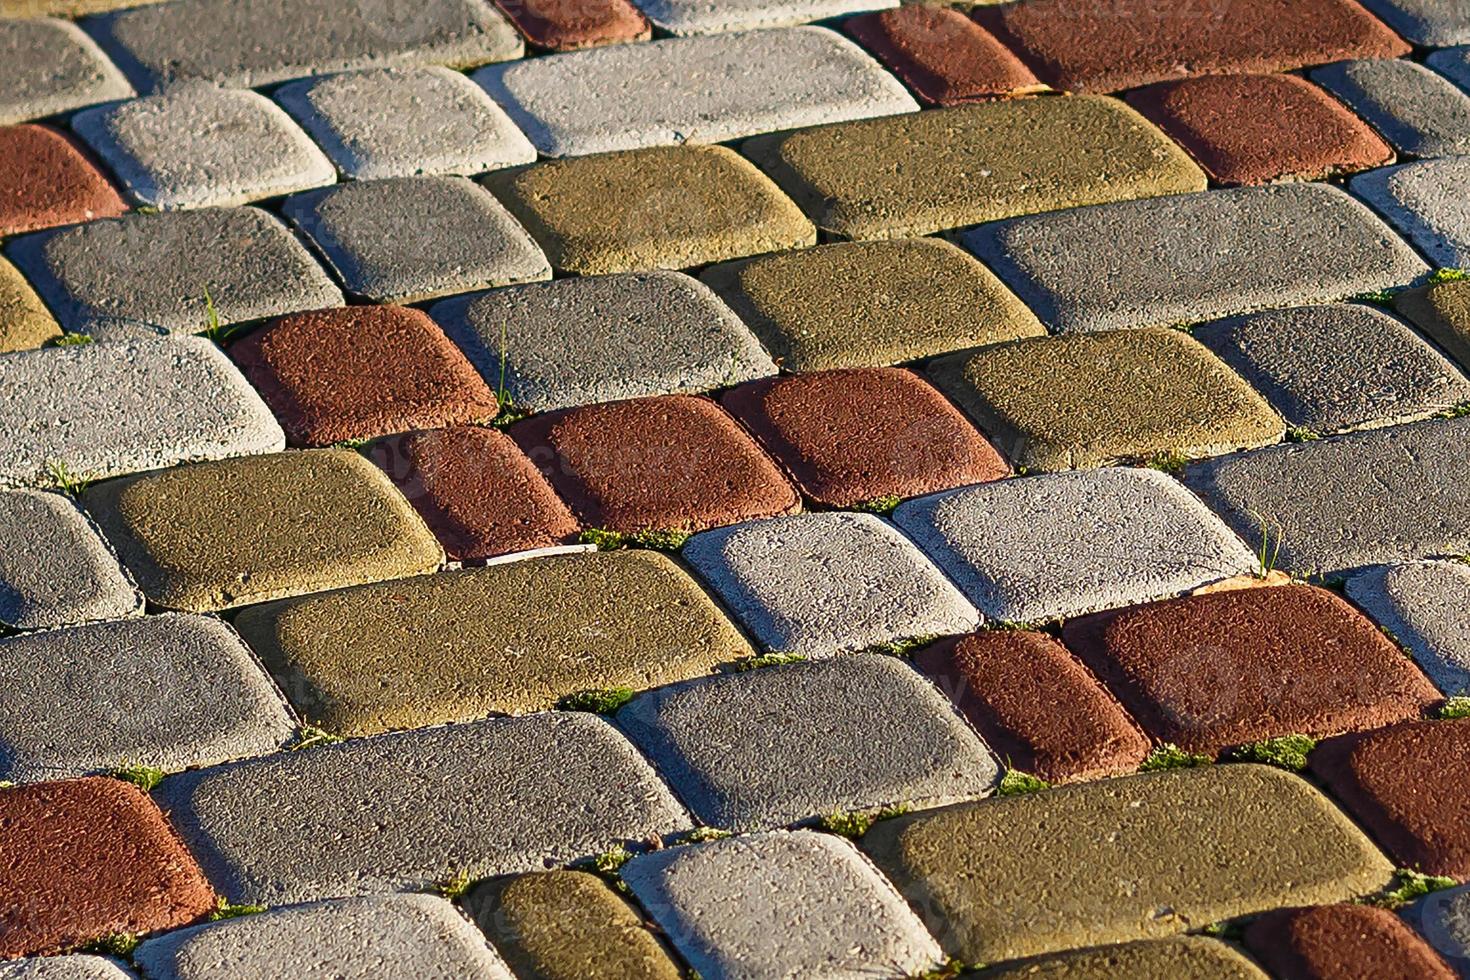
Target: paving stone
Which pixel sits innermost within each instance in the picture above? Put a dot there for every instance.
(603, 338)
(869, 304)
(149, 273)
(645, 464)
(61, 8)
(1340, 504)
(46, 180)
(924, 172)
(165, 43)
(1331, 368)
(1255, 129)
(1328, 941)
(1417, 110)
(72, 967)
(87, 859)
(1127, 43)
(1442, 312)
(685, 17)
(1452, 63)
(1195, 257)
(1008, 684)
(25, 323)
(819, 584)
(349, 939)
(55, 570)
(453, 646)
(407, 239)
(678, 207)
(1180, 958)
(860, 435)
(1091, 399)
(399, 122)
(1425, 201)
(717, 901)
(1423, 605)
(148, 404)
(1433, 23)
(361, 371)
(167, 691)
(692, 90)
(565, 25)
(780, 745)
(1443, 918)
(1099, 862)
(52, 66)
(399, 812)
(228, 533)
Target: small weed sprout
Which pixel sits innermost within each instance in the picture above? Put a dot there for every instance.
(1170, 461)
(903, 648)
(1171, 756)
(229, 910)
(66, 479)
(454, 886)
(1455, 707)
(1456, 411)
(1408, 885)
(1018, 783)
(1447, 275)
(141, 776)
(1270, 550)
(611, 861)
(1287, 752)
(312, 736)
(120, 945)
(1300, 433)
(70, 339)
(882, 506)
(598, 702)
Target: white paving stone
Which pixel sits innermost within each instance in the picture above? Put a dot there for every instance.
(55, 569)
(683, 17)
(1428, 201)
(48, 66)
(1426, 606)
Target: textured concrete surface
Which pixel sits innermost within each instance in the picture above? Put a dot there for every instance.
(25, 323)
(1343, 940)
(1426, 202)
(975, 163)
(781, 745)
(820, 584)
(1442, 312)
(943, 55)
(1195, 257)
(52, 66)
(1415, 109)
(566, 25)
(1180, 958)
(400, 122)
(47, 180)
(1443, 918)
(399, 812)
(692, 90)
(1453, 63)
(55, 570)
(685, 17)
(148, 404)
(1423, 605)
(1434, 23)
(717, 903)
(71, 967)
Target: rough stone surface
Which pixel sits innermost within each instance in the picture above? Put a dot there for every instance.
(1426, 202)
(678, 207)
(781, 745)
(408, 239)
(55, 570)
(399, 812)
(1058, 545)
(1423, 604)
(1453, 63)
(51, 66)
(399, 122)
(1443, 918)
(869, 304)
(685, 17)
(216, 535)
(920, 173)
(1415, 109)
(692, 90)
(70, 967)
(1195, 257)
(603, 338)
(1180, 958)
(25, 323)
(46, 180)
(819, 584)
(1343, 941)
(148, 404)
(717, 901)
(566, 25)
(1442, 312)
(1099, 862)
(1433, 23)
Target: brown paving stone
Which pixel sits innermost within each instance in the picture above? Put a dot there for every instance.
(24, 320)
(476, 490)
(1212, 671)
(1251, 129)
(1108, 45)
(1035, 705)
(1442, 311)
(1342, 942)
(46, 180)
(361, 371)
(670, 462)
(565, 25)
(85, 859)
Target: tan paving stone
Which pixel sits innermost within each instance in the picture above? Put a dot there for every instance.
(1182, 958)
(1443, 312)
(24, 320)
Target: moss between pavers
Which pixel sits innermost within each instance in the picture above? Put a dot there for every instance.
(1182, 958)
(1442, 311)
(24, 320)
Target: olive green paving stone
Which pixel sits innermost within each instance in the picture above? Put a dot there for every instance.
(512, 637)
(945, 168)
(24, 320)
(870, 304)
(1084, 400)
(1137, 857)
(1180, 958)
(1442, 311)
(671, 207)
(214, 535)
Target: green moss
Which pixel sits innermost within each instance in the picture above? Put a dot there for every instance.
(701, 834)
(1456, 411)
(1171, 756)
(120, 945)
(1300, 433)
(143, 777)
(353, 444)
(229, 910)
(1456, 707)
(455, 886)
(597, 702)
(1447, 275)
(1382, 297)
(879, 505)
(1231, 930)
(1287, 752)
(70, 339)
(906, 647)
(1170, 461)
(312, 736)
(1406, 886)
(770, 660)
(855, 823)
(948, 970)
(605, 540)
(611, 861)
(1016, 783)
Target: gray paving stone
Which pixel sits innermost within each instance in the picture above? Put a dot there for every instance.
(604, 338)
(149, 273)
(781, 745)
(1443, 918)
(1453, 63)
(49, 66)
(1171, 260)
(1343, 503)
(684, 17)
(1064, 544)
(399, 122)
(1428, 202)
(74, 967)
(420, 936)
(1416, 110)
(784, 904)
(1426, 606)
(169, 691)
(1432, 23)
(819, 584)
(692, 90)
(407, 239)
(111, 408)
(246, 45)
(55, 569)
(1333, 368)
(200, 146)
(399, 812)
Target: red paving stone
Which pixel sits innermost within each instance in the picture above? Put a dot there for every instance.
(852, 436)
(565, 25)
(1342, 942)
(1251, 129)
(359, 372)
(671, 462)
(1035, 704)
(85, 859)
(476, 490)
(46, 180)
(1212, 671)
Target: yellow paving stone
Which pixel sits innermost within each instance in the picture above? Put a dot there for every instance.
(24, 320)
(1183, 958)
(1442, 311)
